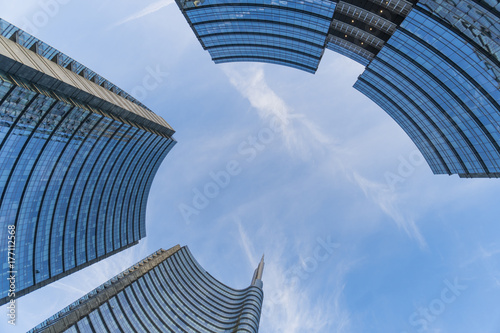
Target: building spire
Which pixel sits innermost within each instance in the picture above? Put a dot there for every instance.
(257, 275)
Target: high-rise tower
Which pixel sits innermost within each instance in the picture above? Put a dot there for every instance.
(438, 76)
(432, 65)
(166, 292)
(265, 31)
(77, 158)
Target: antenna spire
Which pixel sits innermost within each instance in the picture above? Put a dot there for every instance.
(257, 275)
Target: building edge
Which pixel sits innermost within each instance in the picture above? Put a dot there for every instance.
(83, 307)
(28, 64)
(79, 309)
(39, 285)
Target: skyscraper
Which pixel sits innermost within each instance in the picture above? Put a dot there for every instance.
(360, 28)
(439, 78)
(166, 292)
(432, 65)
(77, 158)
(266, 31)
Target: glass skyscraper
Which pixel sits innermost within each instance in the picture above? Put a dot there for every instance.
(290, 33)
(432, 65)
(439, 78)
(166, 292)
(77, 158)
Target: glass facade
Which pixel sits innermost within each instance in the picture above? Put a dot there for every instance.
(360, 28)
(74, 179)
(433, 65)
(34, 44)
(436, 72)
(290, 33)
(167, 292)
(349, 50)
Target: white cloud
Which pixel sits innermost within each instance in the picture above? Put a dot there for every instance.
(152, 8)
(247, 245)
(84, 281)
(387, 200)
(68, 288)
(302, 136)
(305, 138)
(489, 251)
(485, 256)
(288, 305)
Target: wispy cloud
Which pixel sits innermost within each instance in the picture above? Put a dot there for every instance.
(301, 135)
(288, 304)
(491, 250)
(247, 244)
(68, 288)
(387, 200)
(91, 277)
(289, 307)
(305, 138)
(485, 256)
(152, 8)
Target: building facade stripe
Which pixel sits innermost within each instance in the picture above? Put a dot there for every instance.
(456, 98)
(416, 87)
(415, 124)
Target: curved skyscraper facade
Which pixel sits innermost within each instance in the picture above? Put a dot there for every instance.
(290, 33)
(166, 292)
(439, 78)
(432, 65)
(77, 158)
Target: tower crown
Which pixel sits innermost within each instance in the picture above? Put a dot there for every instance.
(257, 275)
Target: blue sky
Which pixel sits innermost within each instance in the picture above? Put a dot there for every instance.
(359, 235)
